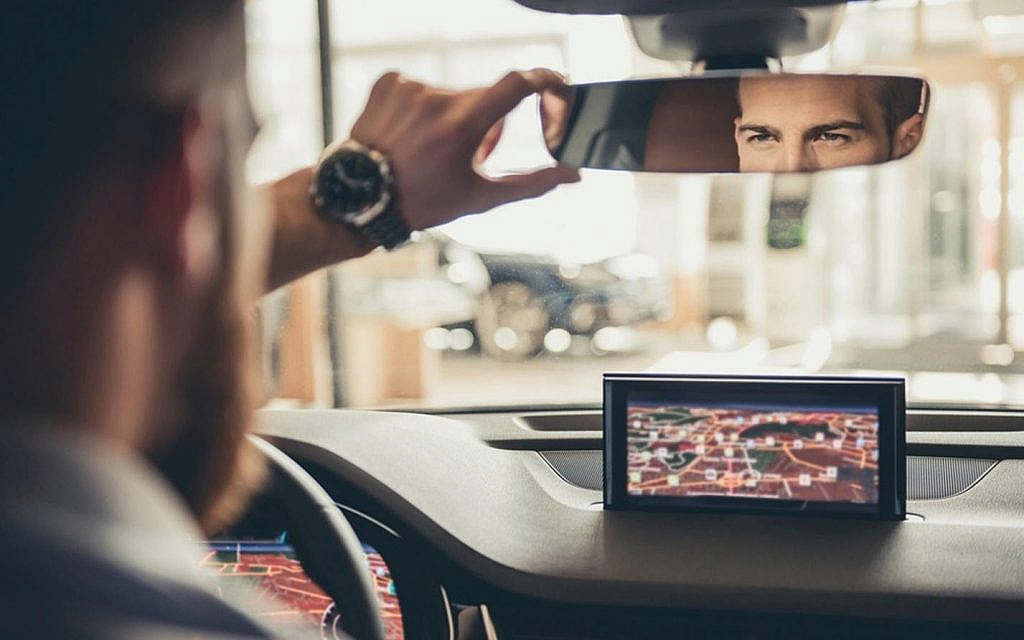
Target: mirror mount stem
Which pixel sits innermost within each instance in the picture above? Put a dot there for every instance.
(739, 62)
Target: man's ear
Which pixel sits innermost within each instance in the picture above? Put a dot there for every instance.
(179, 217)
(907, 136)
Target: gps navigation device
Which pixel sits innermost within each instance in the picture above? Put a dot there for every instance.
(808, 445)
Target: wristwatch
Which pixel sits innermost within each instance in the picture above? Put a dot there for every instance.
(354, 186)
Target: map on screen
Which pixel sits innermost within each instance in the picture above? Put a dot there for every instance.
(819, 454)
(267, 578)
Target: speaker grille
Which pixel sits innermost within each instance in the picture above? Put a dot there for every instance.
(928, 478)
(931, 478)
(581, 468)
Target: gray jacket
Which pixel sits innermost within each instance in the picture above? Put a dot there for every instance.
(94, 544)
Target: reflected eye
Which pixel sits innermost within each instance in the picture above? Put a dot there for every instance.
(832, 137)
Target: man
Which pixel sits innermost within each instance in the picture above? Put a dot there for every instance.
(133, 256)
(812, 122)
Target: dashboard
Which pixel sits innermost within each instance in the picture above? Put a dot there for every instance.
(504, 509)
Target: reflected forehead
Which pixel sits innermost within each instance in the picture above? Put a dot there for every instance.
(805, 100)
(810, 85)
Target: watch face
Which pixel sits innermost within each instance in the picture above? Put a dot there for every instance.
(348, 183)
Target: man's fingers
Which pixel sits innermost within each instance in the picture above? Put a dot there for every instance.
(455, 132)
(489, 142)
(382, 87)
(498, 191)
(496, 101)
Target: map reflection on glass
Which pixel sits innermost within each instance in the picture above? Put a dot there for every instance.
(268, 580)
(752, 451)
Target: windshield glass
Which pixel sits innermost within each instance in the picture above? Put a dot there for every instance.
(913, 268)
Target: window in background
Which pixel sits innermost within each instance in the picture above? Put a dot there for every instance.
(285, 87)
(912, 267)
(423, 324)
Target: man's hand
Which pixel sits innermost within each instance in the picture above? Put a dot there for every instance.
(436, 138)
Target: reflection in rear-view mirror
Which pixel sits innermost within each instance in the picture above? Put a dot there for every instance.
(776, 123)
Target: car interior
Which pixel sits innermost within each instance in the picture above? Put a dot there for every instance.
(439, 433)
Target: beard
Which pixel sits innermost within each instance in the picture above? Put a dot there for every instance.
(206, 456)
(209, 460)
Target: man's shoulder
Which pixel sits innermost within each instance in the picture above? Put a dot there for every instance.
(93, 545)
(48, 590)
(41, 616)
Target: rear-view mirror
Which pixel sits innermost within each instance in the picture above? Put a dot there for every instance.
(754, 122)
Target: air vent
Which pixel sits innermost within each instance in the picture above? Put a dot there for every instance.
(928, 478)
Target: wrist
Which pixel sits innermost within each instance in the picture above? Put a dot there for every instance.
(353, 187)
(302, 241)
(330, 241)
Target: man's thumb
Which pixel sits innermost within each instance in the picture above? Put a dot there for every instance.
(521, 186)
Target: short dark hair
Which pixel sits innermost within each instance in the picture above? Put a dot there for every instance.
(901, 97)
(77, 74)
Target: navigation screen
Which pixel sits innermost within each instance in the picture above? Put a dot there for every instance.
(795, 444)
(733, 449)
(266, 579)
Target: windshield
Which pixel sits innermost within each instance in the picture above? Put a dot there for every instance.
(914, 268)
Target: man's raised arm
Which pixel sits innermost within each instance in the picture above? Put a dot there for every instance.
(434, 140)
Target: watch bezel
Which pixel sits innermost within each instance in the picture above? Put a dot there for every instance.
(363, 217)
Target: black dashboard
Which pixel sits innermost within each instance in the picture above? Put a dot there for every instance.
(504, 509)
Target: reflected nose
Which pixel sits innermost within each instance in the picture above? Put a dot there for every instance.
(796, 158)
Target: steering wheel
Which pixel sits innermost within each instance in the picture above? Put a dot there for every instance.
(318, 529)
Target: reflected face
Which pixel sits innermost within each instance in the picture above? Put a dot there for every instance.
(808, 123)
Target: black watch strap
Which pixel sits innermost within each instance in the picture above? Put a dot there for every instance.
(387, 230)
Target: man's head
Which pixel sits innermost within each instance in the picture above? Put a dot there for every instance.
(128, 277)
(811, 122)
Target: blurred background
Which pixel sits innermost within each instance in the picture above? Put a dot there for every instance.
(914, 268)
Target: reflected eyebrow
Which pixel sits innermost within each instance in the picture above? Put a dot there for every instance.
(760, 128)
(832, 126)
